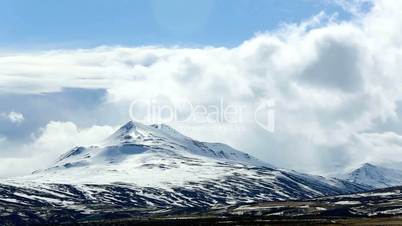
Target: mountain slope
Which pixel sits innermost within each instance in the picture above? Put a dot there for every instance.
(376, 176)
(156, 167)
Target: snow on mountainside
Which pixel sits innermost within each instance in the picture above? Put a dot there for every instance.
(376, 176)
(155, 166)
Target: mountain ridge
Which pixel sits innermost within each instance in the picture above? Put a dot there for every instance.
(142, 166)
(374, 175)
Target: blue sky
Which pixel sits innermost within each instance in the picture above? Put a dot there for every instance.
(84, 24)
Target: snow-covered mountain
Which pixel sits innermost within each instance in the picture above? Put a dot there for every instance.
(155, 166)
(155, 155)
(375, 176)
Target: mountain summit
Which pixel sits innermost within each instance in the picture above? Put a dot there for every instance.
(137, 150)
(376, 176)
(164, 138)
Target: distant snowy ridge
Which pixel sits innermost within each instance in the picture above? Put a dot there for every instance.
(375, 176)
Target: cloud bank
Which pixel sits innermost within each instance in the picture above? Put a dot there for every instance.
(54, 140)
(336, 85)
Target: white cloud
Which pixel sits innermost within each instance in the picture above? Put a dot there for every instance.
(332, 80)
(54, 140)
(14, 117)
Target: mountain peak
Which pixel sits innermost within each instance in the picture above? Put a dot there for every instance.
(168, 130)
(123, 132)
(368, 169)
(368, 165)
(134, 141)
(136, 132)
(129, 125)
(126, 128)
(376, 176)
